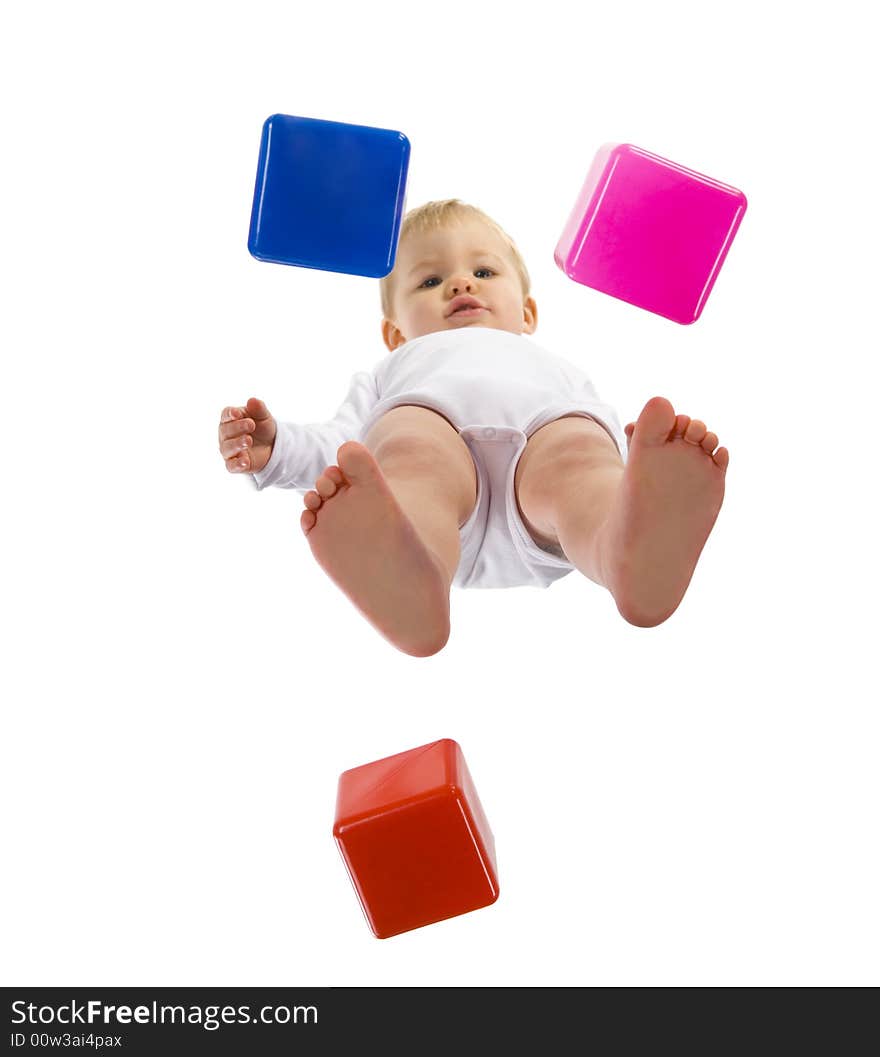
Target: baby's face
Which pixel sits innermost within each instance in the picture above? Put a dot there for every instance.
(467, 259)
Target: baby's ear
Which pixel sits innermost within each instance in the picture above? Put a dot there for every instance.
(391, 335)
(530, 316)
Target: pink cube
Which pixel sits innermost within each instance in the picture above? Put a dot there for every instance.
(650, 232)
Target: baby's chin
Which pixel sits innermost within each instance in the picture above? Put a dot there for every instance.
(481, 321)
(477, 323)
(474, 323)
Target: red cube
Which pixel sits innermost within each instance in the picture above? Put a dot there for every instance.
(414, 838)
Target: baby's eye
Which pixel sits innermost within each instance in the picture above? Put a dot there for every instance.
(431, 278)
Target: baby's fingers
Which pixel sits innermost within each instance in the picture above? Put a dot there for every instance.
(235, 446)
(229, 413)
(233, 423)
(239, 462)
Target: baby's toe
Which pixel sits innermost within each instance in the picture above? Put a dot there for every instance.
(710, 442)
(655, 422)
(357, 463)
(307, 521)
(722, 458)
(325, 486)
(695, 431)
(681, 424)
(312, 500)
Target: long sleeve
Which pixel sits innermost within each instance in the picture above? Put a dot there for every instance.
(302, 452)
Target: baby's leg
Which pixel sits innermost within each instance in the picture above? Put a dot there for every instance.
(384, 524)
(636, 529)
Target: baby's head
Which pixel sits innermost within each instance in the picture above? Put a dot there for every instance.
(448, 250)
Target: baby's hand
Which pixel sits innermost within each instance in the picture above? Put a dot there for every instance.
(247, 435)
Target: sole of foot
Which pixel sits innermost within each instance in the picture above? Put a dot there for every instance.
(362, 539)
(669, 499)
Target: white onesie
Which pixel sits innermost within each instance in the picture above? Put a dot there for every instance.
(497, 389)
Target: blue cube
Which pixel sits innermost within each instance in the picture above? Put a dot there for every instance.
(329, 195)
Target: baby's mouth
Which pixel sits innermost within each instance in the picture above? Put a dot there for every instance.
(464, 305)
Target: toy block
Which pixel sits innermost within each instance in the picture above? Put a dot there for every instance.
(650, 232)
(414, 838)
(329, 195)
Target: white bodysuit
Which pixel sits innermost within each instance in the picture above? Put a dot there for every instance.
(496, 388)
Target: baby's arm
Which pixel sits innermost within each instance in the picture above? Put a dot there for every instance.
(286, 454)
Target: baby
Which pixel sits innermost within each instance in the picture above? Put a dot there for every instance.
(472, 456)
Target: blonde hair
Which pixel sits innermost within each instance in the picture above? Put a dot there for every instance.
(433, 216)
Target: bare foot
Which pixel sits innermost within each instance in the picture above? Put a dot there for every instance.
(365, 543)
(669, 498)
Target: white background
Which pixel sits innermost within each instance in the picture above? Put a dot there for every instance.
(692, 804)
